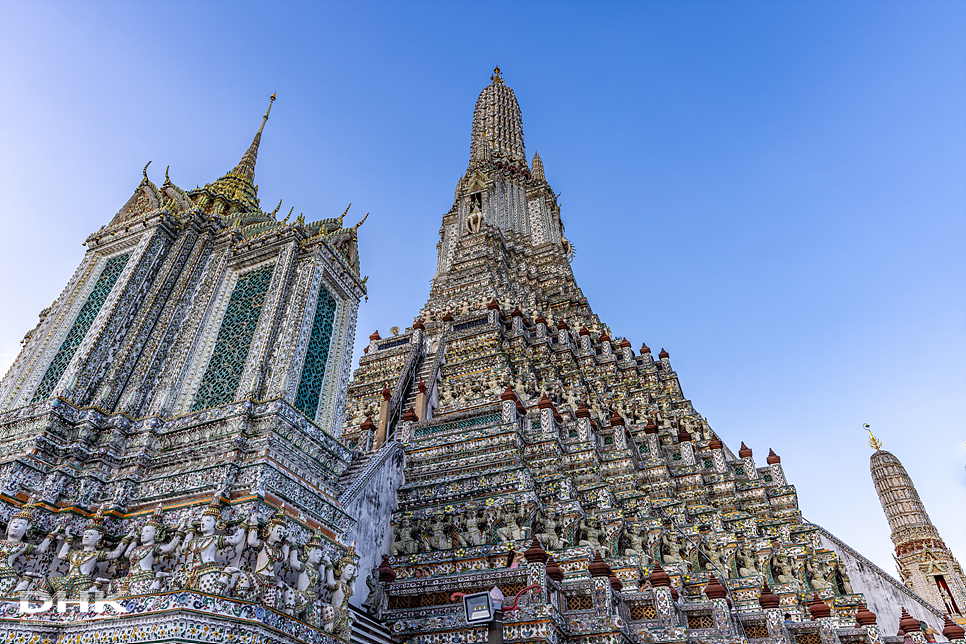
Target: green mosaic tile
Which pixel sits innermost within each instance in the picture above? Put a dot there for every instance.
(238, 325)
(313, 370)
(82, 324)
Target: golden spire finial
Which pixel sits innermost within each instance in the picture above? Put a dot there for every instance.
(284, 221)
(246, 167)
(496, 77)
(167, 179)
(356, 227)
(275, 212)
(271, 99)
(145, 170)
(874, 442)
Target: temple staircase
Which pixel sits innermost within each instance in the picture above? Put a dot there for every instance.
(423, 375)
(352, 472)
(366, 630)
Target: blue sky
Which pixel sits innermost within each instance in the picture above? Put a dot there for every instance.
(774, 192)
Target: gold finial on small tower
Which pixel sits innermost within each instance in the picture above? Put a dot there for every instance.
(496, 77)
(874, 442)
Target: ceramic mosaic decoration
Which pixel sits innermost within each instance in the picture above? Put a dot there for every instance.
(170, 430)
(542, 449)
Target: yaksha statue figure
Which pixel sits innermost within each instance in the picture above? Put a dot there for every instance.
(340, 579)
(201, 571)
(404, 544)
(747, 561)
(512, 529)
(79, 577)
(782, 569)
(141, 578)
(303, 597)
(263, 584)
(13, 547)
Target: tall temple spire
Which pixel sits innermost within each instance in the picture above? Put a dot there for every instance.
(926, 564)
(235, 192)
(246, 167)
(497, 126)
(500, 202)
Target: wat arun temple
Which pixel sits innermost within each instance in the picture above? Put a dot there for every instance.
(186, 454)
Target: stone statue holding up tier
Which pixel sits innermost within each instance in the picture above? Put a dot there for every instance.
(512, 530)
(456, 529)
(404, 543)
(782, 570)
(714, 557)
(303, 598)
(340, 578)
(672, 548)
(633, 540)
(550, 537)
(426, 535)
(263, 585)
(13, 547)
(817, 574)
(841, 579)
(590, 534)
(80, 575)
(747, 562)
(141, 578)
(473, 533)
(201, 570)
(439, 537)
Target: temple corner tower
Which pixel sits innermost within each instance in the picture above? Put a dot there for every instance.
(926, 564)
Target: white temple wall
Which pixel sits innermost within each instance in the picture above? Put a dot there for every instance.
(371, 501)
(884, 596)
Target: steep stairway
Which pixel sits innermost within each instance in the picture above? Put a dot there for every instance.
(358, 464)
(366, 630)
(422, 375)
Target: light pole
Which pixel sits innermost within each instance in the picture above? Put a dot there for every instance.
(494, 632)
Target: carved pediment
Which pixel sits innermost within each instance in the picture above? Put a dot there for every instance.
(146, 198)
(476, 183)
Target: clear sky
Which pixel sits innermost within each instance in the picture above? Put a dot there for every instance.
(775, 192)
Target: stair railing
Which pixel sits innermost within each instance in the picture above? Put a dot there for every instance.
(416, 353)
(437, 363)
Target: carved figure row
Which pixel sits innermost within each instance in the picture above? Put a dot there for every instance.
(508, 524)
(476, 527)
(283, 576)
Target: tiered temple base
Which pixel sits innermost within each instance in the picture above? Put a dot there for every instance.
(482, 477)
